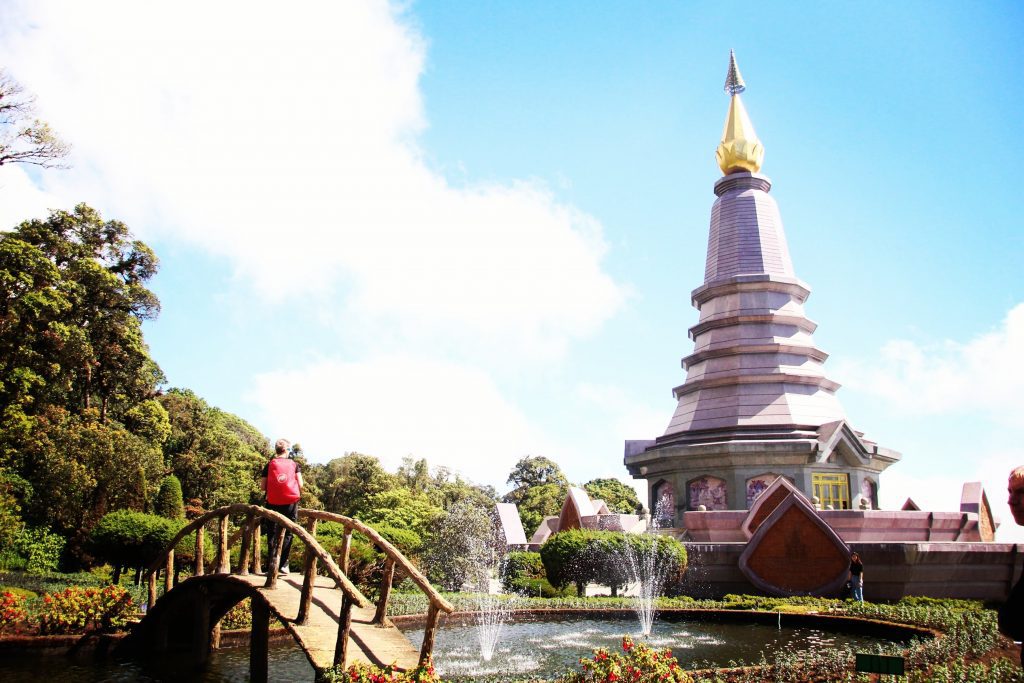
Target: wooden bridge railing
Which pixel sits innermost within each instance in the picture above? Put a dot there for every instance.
(394, 558)
(250, 556)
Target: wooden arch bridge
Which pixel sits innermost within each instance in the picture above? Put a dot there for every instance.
(328, 616)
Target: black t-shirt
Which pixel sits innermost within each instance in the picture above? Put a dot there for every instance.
(856, 568)
(1011, 614)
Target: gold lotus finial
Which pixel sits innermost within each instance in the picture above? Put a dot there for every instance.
(739, 150)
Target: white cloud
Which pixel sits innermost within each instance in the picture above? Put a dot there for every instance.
(941, 492)
(21, 198)
(984, 375)
(978, 384)
(391, 406)
(288, 140)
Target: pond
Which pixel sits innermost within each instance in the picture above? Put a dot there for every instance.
(287, 664)
(541, 646)
(533, 645)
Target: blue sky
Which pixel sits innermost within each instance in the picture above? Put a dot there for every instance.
(468, 231)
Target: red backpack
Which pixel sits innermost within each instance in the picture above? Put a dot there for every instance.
(282, 482)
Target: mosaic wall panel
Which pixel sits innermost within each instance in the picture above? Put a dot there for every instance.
(709, 492)
(756, 485)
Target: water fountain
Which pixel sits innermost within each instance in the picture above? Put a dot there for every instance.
(647, 568)
(492, 607)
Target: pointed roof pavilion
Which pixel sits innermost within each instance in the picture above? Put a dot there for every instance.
(756, 400)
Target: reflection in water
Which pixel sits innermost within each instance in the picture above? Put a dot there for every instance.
(287, 664)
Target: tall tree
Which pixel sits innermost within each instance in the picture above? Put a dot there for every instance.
(24, 138)
(215, 455)
(617, 496)
(534, 470)
(349, 483)
(81, 468)
(82, 313)
(540, 489)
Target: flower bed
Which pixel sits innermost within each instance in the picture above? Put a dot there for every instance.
(73, 610)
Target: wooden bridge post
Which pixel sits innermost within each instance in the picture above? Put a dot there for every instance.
(428, 633)
(308, 578)
(152, 590)
(223, 557)
(169, 572)
(243, 553)
(257, 559)
(200, 649)
(385, 591)
(344, 626)
(346, 544)
(275, 561)
(259, 642)
(200, 551)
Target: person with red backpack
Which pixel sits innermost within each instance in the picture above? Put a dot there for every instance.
(282, 482)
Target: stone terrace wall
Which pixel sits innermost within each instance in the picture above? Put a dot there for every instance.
(981, 571)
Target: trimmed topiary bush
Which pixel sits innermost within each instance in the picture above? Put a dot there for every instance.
(169, 502)
(582, 556)
(131, 539)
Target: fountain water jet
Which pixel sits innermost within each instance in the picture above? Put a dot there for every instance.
(647, 567)
(492, 607)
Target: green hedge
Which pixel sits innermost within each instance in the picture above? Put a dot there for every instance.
(581, 556)
(132, 539)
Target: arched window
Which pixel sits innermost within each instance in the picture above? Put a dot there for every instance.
(869, 492)
(663, 505)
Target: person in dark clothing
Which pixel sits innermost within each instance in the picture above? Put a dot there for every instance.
(857, 577)
(281, 480)
(1011, 614)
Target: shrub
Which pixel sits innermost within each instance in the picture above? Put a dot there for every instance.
(408, 542)
(10, 515)
(18, 592)
(943, 603)
(523, 573)
(582, 556)
(133, 539)
(169, 503)
(40, 548)
(75, 610)
(12, 611)
(521, 566)
(238, 617)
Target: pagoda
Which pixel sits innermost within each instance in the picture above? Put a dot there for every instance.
(756, 404)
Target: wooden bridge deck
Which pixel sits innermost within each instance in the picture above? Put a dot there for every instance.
(371, 643)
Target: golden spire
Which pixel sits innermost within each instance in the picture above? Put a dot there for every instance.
(739, 150)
